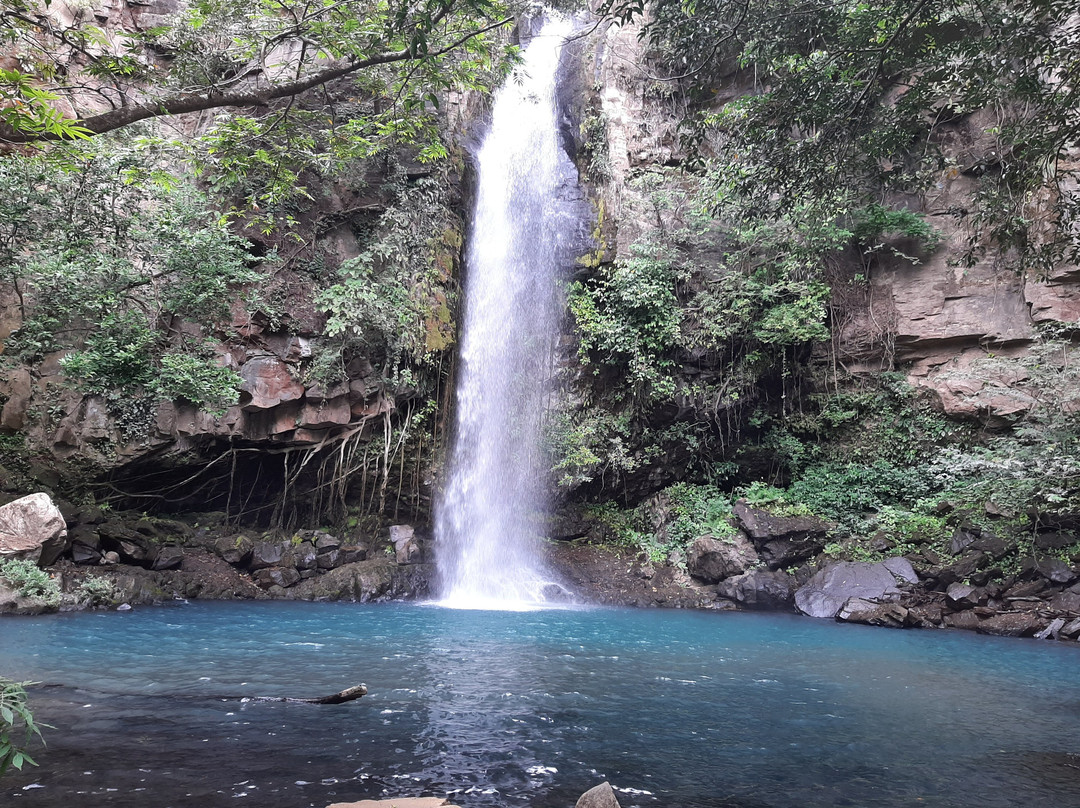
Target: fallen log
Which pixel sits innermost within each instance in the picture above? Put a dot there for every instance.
(348, 694)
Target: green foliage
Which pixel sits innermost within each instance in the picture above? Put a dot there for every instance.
(30, 581)
(629, 316)
(105, 249)
(17, 726)
(864, 98)
(96, 591)
(395, 300)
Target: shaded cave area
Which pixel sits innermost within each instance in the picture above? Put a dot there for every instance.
(280, 487)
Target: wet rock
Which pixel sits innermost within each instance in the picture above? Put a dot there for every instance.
(759, 589)
(859, 610)
(364, 581)
(168, 558)
(1025, 589)
(712, 560)
(782, 540)
(830, 588)
(353, 553)
(601, 796)
(966, 620)
(267, 554)
(33, 528)
(1054, 540)
(1012, 624)
(960, 541)
(400, 802)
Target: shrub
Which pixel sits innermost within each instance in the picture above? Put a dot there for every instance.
(30, 581)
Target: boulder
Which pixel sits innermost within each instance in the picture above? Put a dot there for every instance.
(237, 551)
(328, 560)
(1071, 629)
(1055, 570)
(964, 596)
(966, 620)
(782, 540)
(407, 548)
(401, 802)
(830, 588)
(601, 796)
(1012, 624)
(305, 556)
(276, 576)
(267, 554)
(168, 558)
(1066, 602)
(1053, 630)
(713, 560)
(32, 527)
(759, 589)
(364, 581)
(858, 610)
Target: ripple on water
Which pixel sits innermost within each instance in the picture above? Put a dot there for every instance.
(531, 709)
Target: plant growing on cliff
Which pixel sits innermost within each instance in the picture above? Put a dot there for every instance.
(17, 726)
(109, 255)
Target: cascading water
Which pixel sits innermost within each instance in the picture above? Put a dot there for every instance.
(490, 518)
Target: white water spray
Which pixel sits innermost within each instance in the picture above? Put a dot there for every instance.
(491, 516)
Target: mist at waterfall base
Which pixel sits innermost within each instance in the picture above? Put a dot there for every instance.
(675, 708)
(490, 516)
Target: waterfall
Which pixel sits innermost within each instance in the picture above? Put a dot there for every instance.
(491, 517)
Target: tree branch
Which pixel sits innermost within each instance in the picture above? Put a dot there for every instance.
(213, 99)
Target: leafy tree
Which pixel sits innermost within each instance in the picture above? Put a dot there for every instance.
(858, 95)
(224, 53)
(106, 252)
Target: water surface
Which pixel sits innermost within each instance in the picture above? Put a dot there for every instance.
(531, 708)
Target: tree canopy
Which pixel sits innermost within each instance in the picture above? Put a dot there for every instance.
(222, 53)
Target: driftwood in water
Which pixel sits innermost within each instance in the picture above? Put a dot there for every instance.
(348, 694)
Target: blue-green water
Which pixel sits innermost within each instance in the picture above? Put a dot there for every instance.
(530, 709)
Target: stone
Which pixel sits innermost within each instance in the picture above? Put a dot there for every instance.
(1052, 630)
(407, 549)
(1071, 629)
(32, 527)
(966, 620)
(168, 558)
(712, 560)
(960, 541)
(825, 594)
(266, 554)
(325, 541)
(1055, 570)
(601, 796)
(305, 556)
(1066, 602)
(901, 569)
(236, 551)
(963, 596)
(325, 413)
(1055, 541)
(782, 540)
(111, 558)
(276, 576)
(1025, 589)
(759, 589)
(84, 554)
(1012, 624)
(859, 610)
(328, 560)
(18, 388)
(353, 553)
